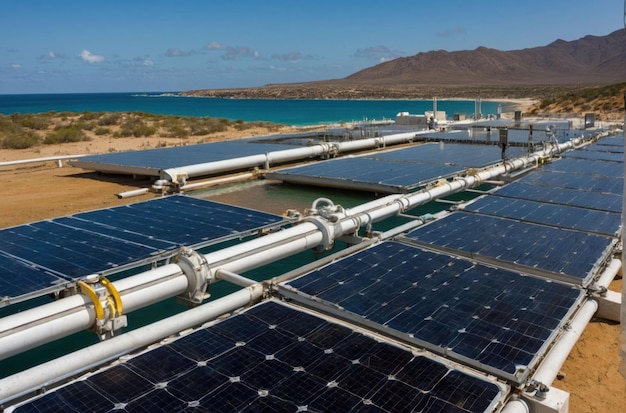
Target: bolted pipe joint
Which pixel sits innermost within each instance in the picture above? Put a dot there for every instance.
(196, 269)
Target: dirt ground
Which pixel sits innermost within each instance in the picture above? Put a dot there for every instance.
(41, 190)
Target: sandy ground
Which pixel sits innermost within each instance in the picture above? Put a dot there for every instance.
(38, 191)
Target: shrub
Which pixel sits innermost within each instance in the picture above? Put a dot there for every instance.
(19, 139)
(65, 134)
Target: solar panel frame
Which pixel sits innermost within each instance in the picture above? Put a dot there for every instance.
(586, 167)
(560, 216)
(361, 173)
(365, 372)
(526, 247)
(111, 240)
(551, 179)
(562, 196)
(150, 162)
(442, 307)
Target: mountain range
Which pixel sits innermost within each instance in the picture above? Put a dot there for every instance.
(533, 72)
(589, 60)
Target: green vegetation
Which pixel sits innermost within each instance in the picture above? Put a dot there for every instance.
(22, 131)
(605, 101)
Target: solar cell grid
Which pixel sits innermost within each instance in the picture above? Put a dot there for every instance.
(73, 247)
(605, 184)
(561, 253)
(473, 156)
(587, 167)
(356, 374)
(563, 196)
(616, 157)
(493, 317)
(582, 219)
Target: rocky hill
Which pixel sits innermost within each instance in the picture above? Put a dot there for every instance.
(537, 72)
(590, 60)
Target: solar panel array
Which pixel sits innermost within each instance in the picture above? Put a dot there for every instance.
(150, 162)
(396, 171)
(46, 256)
(563, 254)
(276, 358)
(563, 219)
(487, 317)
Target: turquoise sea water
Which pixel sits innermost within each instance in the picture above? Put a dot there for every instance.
(296, 112)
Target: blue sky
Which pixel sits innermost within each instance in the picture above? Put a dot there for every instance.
(133, 46)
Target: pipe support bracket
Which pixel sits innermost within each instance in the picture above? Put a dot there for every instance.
(196, 269)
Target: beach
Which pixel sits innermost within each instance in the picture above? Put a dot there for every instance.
(41, 190)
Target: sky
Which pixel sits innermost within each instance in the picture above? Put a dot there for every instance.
(68, 46)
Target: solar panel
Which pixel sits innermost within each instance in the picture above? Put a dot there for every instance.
(564, 216)
(295, 361)
(563, 196)
(606, 184)
(493, 319)
(563, 254)
(150, 162)
(469, 156)
(587, 167)
(67, 249)
(616, 141)
(595, 155)
(366, 174)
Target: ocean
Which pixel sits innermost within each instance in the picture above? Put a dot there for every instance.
(294, 112)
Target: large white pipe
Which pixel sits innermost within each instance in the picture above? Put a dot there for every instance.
(515, 406)
(56, 370)
(609, 273)
(45, 159)
(31, 328)
(287, 155)
(551, 364)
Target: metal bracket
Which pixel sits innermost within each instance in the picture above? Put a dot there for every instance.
(196, 269)
(107, 305)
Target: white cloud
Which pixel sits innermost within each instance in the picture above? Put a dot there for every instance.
(89, 57)
(175, 52)
(16, 66)
(148, 62)
(215, 46)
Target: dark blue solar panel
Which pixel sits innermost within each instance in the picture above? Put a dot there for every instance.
(25, 279)
(363, 170)
(573, 255)
(595, 155)
(103, 240)
(281, 369)
(469, 156)
(563, 196)
(564, 216)
(494, 317)
(164, 158)
(587, 167)
(605, 184)
(614, 141)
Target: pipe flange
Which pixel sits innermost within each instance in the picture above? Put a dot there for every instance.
(196, 269)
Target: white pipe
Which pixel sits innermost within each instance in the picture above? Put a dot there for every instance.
(132, 193)
(45, 159)
(63, 367)
(31, 328)
(551, 364)
(609, 273)
(515, 406)
(251, 161)
(233, 278)
(219, 181)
